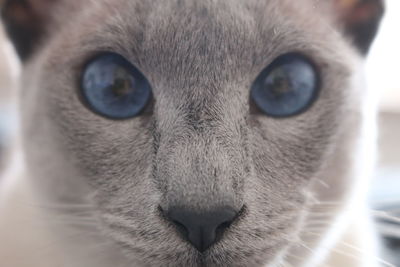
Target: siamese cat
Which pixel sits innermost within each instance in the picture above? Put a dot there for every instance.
(190, 133)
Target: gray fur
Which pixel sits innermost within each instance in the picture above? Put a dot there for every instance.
(201, 146)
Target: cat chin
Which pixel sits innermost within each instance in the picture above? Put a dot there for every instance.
(267, 256)
(218, 260)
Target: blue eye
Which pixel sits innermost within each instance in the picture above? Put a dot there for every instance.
(114, 88)
(287, 87)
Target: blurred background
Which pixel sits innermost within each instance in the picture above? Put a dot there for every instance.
(382, 75)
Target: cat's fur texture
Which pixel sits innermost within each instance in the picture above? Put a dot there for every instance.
(91, 189)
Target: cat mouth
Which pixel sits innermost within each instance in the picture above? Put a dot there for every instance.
(231, 250)
(239, 256)
(243, 243)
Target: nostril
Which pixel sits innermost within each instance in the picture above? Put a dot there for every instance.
(221, 229)
(181, 229)
(225, 225)
(202, 229)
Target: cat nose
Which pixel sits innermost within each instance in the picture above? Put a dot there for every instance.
(202, 229)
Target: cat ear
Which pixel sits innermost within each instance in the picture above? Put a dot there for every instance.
(26, 22)
(360, 20)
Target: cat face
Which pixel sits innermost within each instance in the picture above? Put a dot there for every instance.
(202, 141)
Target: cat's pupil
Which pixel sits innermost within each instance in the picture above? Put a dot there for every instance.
(278, 82)
(123, 83)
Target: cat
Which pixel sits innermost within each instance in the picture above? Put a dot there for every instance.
(190, 133)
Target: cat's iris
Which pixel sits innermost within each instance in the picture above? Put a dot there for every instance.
(287, 87)
(114, 88)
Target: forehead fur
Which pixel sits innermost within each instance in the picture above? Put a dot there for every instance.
(216, 31)
(182, 44)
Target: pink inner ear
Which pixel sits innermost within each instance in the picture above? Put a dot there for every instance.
(41, 6)
(25, 22)
(18, 12)
(360, 20)
(25, 10)
(363, 12)
(346, 4)
(358, 11)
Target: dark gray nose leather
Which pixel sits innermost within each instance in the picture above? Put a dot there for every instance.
(202, 229)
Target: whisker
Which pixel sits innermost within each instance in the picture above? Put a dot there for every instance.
(54, 205)
(114, 219)
(363, 252)
(386, 215)
(359, 250)
(327, 203)
(324, 184)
